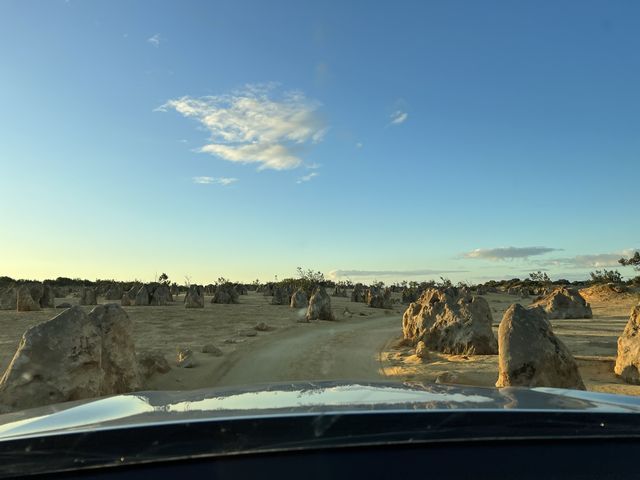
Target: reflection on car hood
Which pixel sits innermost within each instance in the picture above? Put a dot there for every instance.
(303, 398)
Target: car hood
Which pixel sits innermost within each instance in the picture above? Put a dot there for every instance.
(291, 399)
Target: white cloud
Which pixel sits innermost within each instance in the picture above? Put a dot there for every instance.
(337, 274)
(398, 117)
(599, 260)
(507, 253)
(224, 181)
(154, 40)
(359, 145)
(251, 126)
(308, 177)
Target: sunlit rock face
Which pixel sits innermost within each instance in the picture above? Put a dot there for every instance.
(628, 359)
(320, 306)
(451, 321)
(73, 356)
(530, 355)
(564, 303)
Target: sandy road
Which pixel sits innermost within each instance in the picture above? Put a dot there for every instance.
(346, 350)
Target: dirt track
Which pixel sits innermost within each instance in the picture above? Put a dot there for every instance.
(323, 351)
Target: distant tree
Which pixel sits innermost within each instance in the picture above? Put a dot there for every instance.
(444, 283)
(164, 278)
(606, 276)
(540, 277)
(633, 261)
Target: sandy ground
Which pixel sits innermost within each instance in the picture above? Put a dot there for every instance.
(593, 342)
(360, 345)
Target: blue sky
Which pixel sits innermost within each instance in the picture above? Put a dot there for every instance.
(368, 140)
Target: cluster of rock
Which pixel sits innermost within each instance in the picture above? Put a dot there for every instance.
(194, 297)
(114, 292)
(564, 303)
(450, 321)
(319, 306)
(378, 297)
(88, 296)
(27, 297)
(225, 293)
(155, 294)
(531, 355)
(522, 292)
(281, 296)
(340, 291)
(299, 299)
(73, 356)
(358, 293)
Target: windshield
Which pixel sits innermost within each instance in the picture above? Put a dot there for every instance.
(217, 194)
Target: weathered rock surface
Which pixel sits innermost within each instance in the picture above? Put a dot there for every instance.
(280, 296)
(225, 293)
(194, 297)
(262, 327)
(319, 306)
(8, 298)
(358, 293)
(452, 322)
(125, 301)
(159, 294)
(115, 292)
(299, 299)
(378, 297)
(152, 363)
(421, 350)
(24, 300)
(88, 296)
(142, 297)
(564, 303)
(64, 305)
(47, 300)
(212, 350)
(530, 354)
(71, 357)
(185, 358)
(628, 359)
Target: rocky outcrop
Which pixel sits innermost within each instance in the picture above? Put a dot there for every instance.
(358, 293)
(71, 357)
(280, 296)
(194, 297)
(299, 299)
(159, 294)
(319, 306)
(115, 292)
(564, 303)
(185, 358)
(451, 321)
(8, 298)
(24, 300)
(142, 297)
(225, 293)
(47, 300)
(628, 359)
(88, 296)
(125, 301)
(152, 363)
(378, 297)
(530, 354)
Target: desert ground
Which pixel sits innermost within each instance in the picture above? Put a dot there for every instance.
(362, 344)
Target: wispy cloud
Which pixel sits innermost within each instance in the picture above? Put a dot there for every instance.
(224, 181)
(359, 145)
(598, 260)
(507, 253)
(308, 177)
(154, 40)
(254, 125)
(335, 274)
(399, 117)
